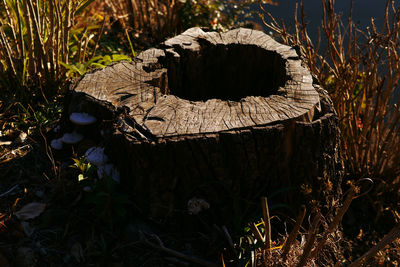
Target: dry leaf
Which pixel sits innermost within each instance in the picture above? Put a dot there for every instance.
(30, 211)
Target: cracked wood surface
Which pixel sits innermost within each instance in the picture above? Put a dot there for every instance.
(269, 127)
(143, 87)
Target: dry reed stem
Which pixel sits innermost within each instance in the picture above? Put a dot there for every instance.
(229, 239)
(256, 232)
(267, 224)
(33, 55)
(387, 239)
(312, 233)
(10, 20)
(361, 71)
(103, 24)
(4, 43)
(334, 224)
(160, 246)
(293, 234)
(58, 34)
(20, 35)
(67, 27)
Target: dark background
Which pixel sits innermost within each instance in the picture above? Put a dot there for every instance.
(363, 11)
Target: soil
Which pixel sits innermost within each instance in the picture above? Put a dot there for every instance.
(71, 232)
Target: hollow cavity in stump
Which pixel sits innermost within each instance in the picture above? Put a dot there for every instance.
(226, 72)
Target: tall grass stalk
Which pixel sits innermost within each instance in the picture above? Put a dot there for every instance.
(361, 71)
(158, 16)
(34, 40)
(165, 18)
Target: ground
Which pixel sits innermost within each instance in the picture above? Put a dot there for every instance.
(103, 227)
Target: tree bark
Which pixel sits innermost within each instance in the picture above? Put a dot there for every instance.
(221, 116)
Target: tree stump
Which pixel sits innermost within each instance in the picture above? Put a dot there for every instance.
(220, 116)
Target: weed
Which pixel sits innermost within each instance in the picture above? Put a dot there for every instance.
(257, 248)
(101, 196)
(78, 69)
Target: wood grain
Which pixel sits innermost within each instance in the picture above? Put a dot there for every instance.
(145, 87)
(218, 116)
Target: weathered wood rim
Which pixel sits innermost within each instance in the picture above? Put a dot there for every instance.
(207, 82)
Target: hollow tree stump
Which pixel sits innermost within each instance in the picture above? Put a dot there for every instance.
(214, 116)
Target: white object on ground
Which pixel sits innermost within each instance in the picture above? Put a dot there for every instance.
(57, 144)
(72, 138)
(195, 205)
(21, 138)
(108, 170)
(82, 118)
(96, 156)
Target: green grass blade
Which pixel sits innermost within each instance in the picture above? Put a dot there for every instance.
(83, 6)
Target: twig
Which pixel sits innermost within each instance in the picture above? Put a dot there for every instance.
(9, 191)
(348, 63)
(389, 238)
(229, 239)
(103, 24)
(12, 152)
(177, 262)
(256, 232)
(160, 246)
(267, 223)
(310, 242)
(332, 226)
(5, 143)
(293, 234)
(49, 153)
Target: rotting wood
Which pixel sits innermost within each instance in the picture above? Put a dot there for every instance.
(214, 115)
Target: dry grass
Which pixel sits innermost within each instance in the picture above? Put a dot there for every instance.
(320, 244)
(158, 16)
(159, 19)
(361, 71)
(34, 41)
